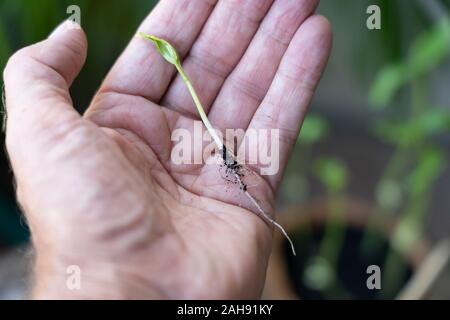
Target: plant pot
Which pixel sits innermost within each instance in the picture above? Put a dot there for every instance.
(286, 277)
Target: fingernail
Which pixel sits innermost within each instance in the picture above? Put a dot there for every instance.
(63, 27)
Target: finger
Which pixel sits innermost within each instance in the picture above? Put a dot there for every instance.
(216, 52)
(290, 94)
(37, 81)
(141, 71)
(244, 90)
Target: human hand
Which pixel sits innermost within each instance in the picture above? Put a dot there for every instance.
(99, 191)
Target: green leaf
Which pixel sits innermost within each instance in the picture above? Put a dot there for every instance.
(319, 274)
(386, 85)
(333, 174)
(314, 129)
(406, 235)
(430, 167)
(429, 50)
(407, 133)
(389, 194)
(165, 49)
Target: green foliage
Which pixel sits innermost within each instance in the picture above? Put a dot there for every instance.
(388, 82)
(389, 194)
(430, 49)
(414, 135)
(332, 173)
(314, 129)
(403, 133)
(426, 53)
(430, 166)
(319, 273)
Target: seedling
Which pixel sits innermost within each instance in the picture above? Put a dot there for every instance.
(234, 168)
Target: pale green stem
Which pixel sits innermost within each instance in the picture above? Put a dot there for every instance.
(199, 106)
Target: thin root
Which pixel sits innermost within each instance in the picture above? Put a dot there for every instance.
(271, 221)
(261, 213)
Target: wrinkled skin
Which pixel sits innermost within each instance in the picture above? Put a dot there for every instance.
(99, 191)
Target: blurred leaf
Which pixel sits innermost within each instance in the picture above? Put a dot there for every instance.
(427, 52)
(318, 274)
(405, 237)
(389, 195)
(430, 167)
(430, 49)
(435, 121)
(314, 129)
(387, 83)
(430, 123)
(332, 173)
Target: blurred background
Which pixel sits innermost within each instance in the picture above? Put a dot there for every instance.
(369, 183)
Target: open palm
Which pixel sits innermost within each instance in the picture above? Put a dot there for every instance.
(104, 193)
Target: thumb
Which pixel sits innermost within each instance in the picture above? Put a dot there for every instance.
(37, 80)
